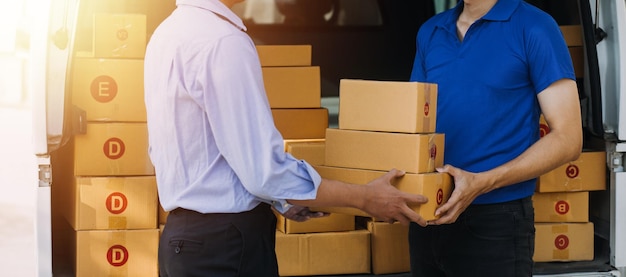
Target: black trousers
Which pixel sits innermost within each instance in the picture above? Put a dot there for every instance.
(486, 240)
(235, 244)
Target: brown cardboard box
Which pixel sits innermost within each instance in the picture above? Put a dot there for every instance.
(386, 106)
(109, 203)
(413, 153)
(116, 253)
(561, 206)
(293, 87)
(119, 35)
(563, 242)
(331, 223)
(162, 215)
(109, 89)
(312, 150)
(390, 247)
(112, 149)
(573, 34)
(323, 253)
(587, 173)
(436, 186)
(157, 11)
(284, 55)
(576, 53)
(544, 129)
(301, 123)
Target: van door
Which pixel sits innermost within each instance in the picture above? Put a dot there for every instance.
(50, 47)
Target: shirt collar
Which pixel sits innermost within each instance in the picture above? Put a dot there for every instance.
(501, 11)
(216, 7)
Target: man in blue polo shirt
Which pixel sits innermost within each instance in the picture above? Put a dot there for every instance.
(498, 64)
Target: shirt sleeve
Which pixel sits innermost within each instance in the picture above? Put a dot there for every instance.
(548, 56)
(244, 130)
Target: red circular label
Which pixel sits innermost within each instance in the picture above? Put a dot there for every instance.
(117, 255)
(116, 203)
(114, 148)
(561, 242)
(433, 151)
(543, 130)
(103, 89)
(122, 34)
(426, 109)
(561, 207)
(572, 171)
(439, 197)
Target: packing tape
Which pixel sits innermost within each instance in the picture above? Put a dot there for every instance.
(560, 254)
(426, 118)
(118, 222)
(557, 200)
(118, 256)
(560, 229)
(561, 241)
(432, 152)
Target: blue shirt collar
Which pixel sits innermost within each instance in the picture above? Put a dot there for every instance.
(501, 11)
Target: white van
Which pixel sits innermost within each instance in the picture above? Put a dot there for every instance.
(344, 47)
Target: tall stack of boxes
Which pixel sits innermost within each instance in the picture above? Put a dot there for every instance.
(385, 125)
(293, 89)
(113, 197)
(561, 202)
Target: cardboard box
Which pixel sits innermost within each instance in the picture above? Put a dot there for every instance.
(284, 55)
(386, 106)
(323, 253)
(117, 253)
(561, 206)
(156, 12)
(390, 247)
(413, 153)
(119, 35)
(293, 87)
(544, 129)
(578, 60)
(312, 150)
(563, 242)
(109, 89)
(436, 186)
(331, 223)
(587, 173)
(109, 203)
(113, 149)
(573, 34)
(301, 123)
(162, 215)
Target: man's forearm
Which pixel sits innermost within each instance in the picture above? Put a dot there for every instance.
(336, 193)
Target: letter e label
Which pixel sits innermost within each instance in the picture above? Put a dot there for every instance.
(103, 89)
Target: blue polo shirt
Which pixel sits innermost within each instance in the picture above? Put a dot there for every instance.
(488, 84)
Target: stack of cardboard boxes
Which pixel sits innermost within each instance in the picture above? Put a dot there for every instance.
(385, 125)
(293, 89)
(112, 200)
(561, 202)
